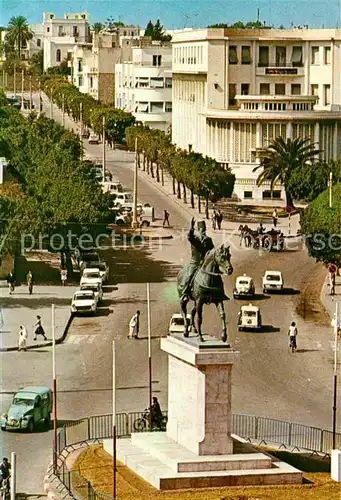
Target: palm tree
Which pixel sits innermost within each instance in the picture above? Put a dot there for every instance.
(281, 158)
(97, 27)
(18, 32)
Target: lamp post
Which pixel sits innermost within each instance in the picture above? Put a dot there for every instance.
(134, 223)
(330, 189)
(30, 93)
(81, 127)
(103, 134)
(22, 88)
(63, 110)
(40, 99)
(14, 80)
(51, 105)
(336, 333)
(114, 438)
(54, 376)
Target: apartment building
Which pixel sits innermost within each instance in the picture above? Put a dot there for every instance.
(234, 91)
(61, 34)
(28, 48)
(144, 85)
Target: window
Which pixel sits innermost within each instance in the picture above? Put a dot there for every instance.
(263, 56)
(314, 89)
(60, 30)
(168, 83)
(142, 107)
(264, 89)
(156, 82)
(281, 56)
(315, 55)
(245, 87)
(246, 54)
(91, 82)
(296, 56)
(168, 107)
(80, 81)
(58, 55)
(295, 89)
(38, 42)
(74, 31)
(80, 65)
(326, 94)
(48, 30)
(156, 107)
(248, 194)
(232, 94)
(271, 194)
(279, 88)
(233, 57)
(327, 55)
(157, 60)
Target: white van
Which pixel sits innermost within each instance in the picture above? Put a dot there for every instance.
(112, 187)
(123, 199)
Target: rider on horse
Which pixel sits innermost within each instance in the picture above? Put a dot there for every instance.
(200, 245)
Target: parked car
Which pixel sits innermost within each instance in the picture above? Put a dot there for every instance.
(244, 287)
(123, 200)
(272, 281)
(85, 133)
(29, 406)
(94, 287)
(84, 301)
(103, 269)
(91, 276)
(176, 324)
(249, 318)
(88, 257)
(112, 187)
(93, 139)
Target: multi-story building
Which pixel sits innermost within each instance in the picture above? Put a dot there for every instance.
(93, 63)
(61, 34)
(31, 47)
(144, 85)
(234, 91)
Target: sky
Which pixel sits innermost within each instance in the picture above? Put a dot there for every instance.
(186, 13)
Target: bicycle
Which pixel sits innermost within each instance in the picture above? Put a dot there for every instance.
(142, 423)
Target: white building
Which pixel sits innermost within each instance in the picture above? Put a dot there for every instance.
(32, 46)
(236, 90)
(144, 85)
(61, 34)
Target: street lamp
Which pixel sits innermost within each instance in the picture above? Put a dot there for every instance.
(22, 88)
(30, 93)
(51, 105)
(81, 127)
(14, 80)
(330, 189)
(103, 134)
(63, 110)
(134, 223)
(336, 333)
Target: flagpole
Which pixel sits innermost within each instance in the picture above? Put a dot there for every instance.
(114, 417)
(336, 332)
(149, 354)
(54, 393)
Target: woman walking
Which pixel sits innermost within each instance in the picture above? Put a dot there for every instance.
(39, 330)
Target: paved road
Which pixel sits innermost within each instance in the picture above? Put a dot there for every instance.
(268, 380)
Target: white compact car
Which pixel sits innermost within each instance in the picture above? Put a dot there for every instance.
(84, 301)
(249, 318)
(123, 199)
(113, 187)
(92, 275)
(244, 287)
(93, 139)
(176, 324)
(101, 266)
(272, 281)
(96, 288)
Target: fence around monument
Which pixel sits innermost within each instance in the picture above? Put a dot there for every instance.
(260, 430)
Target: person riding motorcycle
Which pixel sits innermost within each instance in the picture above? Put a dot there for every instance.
(5, 468)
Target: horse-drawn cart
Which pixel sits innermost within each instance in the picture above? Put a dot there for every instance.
(269, 240)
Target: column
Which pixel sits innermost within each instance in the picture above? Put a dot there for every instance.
(289, 130)
(232, 142)
(335, 148)
(317, 135)
(258, 135)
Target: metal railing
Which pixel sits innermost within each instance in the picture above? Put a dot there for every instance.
(259, 429)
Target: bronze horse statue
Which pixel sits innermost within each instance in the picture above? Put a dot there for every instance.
(206, 287)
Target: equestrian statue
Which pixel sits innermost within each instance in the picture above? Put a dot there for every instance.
(200, 281)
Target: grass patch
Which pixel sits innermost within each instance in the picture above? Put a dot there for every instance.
(96, 465)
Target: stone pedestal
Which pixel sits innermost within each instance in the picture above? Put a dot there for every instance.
(199, 394)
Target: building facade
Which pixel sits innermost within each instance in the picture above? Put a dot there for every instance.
(61, 34)
(234, 91)
(144, 85)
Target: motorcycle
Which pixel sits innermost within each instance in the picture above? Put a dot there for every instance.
(141, 424)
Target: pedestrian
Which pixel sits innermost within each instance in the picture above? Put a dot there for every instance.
(63, 276)
(275, 217)
(29, 281)
(292, 332)
(11, 282)
(22, 338)
(39, 330)
(156, 413)
(165, 218)
(332, 282)
(214, 219)
(219, 219)
(134, 326)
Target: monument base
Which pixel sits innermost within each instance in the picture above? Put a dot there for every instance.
(165, 464)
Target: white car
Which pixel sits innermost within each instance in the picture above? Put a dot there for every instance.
(101, 266)
(272, 281)
(91, 276)
(249, 318)
(176, 324)
(123, 200)
(244, 287)
(93, 139)
(113, 187)
(94, 287)
(84, 301)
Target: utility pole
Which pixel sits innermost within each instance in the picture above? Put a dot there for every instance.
(3, 80)
(22, 88)
(330, 189)
(30, 93)
(114, 418)
(81, 127)
(54, 394)
(51, 105)
(63, 110)
(336, 333)
(134, 223)
(13, 477)
(103, 134)
(149, 355)
(14, 80)
(40, 99)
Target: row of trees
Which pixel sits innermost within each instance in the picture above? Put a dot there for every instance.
(191, 173)
(53, 192)
(75, 103)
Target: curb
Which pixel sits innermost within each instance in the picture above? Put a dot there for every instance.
(59, 340)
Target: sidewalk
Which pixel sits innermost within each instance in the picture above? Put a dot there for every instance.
(20, 308)
(328, 300)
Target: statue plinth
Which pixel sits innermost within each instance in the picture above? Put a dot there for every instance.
(199, 394)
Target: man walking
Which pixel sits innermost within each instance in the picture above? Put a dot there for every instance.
(165, 218)
(275, 217)
(332, 282)
(219, 219)
(39, 330)
(292, 336)
(63, 276)
(134, 326)
(29, 281)
(11, 282)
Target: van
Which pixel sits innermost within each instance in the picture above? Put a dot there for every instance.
(123, 199)
(112, 187)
